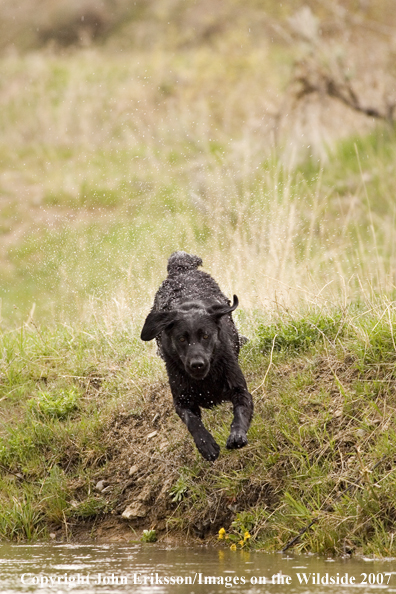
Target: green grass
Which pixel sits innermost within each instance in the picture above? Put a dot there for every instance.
(51, 436)
(321, 425)
(324, 418)
(298, 336)
(109, 161)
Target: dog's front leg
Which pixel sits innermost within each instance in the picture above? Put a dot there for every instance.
(204, 441)
(243, 412)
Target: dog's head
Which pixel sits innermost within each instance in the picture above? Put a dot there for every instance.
(191, 332)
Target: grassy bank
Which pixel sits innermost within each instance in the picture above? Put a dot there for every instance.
(80, 405)
(225, 138)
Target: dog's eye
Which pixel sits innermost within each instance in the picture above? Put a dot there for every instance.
(205, 337)
(182, 339)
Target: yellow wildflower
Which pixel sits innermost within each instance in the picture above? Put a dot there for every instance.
(221, 533)
(241, 543)
(233, 547)
(246, 535)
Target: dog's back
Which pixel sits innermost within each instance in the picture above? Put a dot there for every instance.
(186, 283)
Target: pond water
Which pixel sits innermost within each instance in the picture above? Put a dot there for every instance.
(162, 569)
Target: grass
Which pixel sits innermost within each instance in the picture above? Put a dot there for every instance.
(121, 156)
(109, 174)
(320, 447)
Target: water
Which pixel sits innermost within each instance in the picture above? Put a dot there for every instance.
(164, 569)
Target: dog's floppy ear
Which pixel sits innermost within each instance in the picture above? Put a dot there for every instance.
(156, 322)
(220, 309)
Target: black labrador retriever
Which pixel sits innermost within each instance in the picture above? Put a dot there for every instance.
(197, 338)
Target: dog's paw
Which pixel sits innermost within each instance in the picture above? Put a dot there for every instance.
(209, 449)
(236, 440)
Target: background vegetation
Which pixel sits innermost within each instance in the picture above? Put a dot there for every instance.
(261, 137)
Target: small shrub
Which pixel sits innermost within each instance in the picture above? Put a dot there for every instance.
(57, 405)
(149, 536)
(298, 335)
(88, 508)
(21, 519)
(179, 489)
(243, 540)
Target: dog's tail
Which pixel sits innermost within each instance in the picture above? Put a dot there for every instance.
(181, 261)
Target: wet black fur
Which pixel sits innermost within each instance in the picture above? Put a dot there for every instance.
(197, 338)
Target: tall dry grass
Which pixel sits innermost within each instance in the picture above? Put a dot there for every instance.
(119, 159)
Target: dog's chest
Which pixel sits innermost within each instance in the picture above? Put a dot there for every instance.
(206, 393)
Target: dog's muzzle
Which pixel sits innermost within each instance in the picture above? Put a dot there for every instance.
(197, 368)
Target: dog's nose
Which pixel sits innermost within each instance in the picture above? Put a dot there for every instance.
(197, 364)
